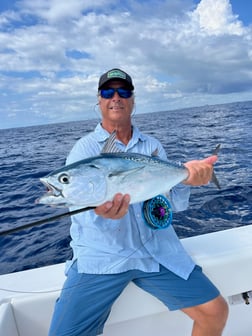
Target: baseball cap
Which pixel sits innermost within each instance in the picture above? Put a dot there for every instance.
(114, 74)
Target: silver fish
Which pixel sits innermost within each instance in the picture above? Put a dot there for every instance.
(95, 180)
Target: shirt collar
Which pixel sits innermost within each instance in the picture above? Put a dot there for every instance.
(102, 135)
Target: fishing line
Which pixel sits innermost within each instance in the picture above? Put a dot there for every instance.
(108, 268)
(45, 220)
(152, 219)
(78, 285)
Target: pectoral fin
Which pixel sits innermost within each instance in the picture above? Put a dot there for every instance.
(124, 173)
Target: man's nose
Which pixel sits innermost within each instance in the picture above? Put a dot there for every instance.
(116, 96)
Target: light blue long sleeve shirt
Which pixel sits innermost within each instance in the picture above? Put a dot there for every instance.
(104, 246)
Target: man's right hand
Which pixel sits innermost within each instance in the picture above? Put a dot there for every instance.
(114, 209)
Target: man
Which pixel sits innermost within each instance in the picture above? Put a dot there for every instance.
(112, 246)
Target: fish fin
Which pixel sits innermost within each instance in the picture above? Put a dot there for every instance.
(215, 180)
(124, 172)
(110, 145)
(155, 153)
(214, 177)
(216, 150)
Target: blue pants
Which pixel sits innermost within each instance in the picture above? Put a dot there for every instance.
(86, 299)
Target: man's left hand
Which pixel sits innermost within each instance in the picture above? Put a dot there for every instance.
(200, 171)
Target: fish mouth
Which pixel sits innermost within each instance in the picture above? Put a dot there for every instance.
(51, 189)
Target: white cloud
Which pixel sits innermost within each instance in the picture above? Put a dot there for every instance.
(54, 11)
(52, 53)
(215, 17)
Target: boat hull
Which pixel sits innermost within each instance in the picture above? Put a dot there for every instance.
(225, 256)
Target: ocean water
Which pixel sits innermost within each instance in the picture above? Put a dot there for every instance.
(32, 152)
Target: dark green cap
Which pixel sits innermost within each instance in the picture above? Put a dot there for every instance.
(115, 74)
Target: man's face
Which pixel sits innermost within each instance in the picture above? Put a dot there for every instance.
(116, 108)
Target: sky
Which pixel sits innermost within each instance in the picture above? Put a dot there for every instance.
(180, 53)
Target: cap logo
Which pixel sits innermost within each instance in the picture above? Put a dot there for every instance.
(116, 74)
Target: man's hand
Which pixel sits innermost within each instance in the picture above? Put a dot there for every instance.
(200, 171)
(115, 209)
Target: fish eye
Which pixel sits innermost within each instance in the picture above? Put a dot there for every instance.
(64, 178)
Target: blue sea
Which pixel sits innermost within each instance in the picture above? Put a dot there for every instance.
(32, 152)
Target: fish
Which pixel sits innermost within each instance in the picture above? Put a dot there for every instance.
(93, 181)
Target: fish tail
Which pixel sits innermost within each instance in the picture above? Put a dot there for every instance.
(215, 180)
(214, 177)
(216, 150)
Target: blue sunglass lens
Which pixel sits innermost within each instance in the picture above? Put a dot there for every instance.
(109, 93)
(124, 93)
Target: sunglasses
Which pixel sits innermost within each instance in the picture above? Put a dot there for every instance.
(109, 93)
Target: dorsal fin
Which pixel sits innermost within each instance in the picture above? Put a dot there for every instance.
(110, 144)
